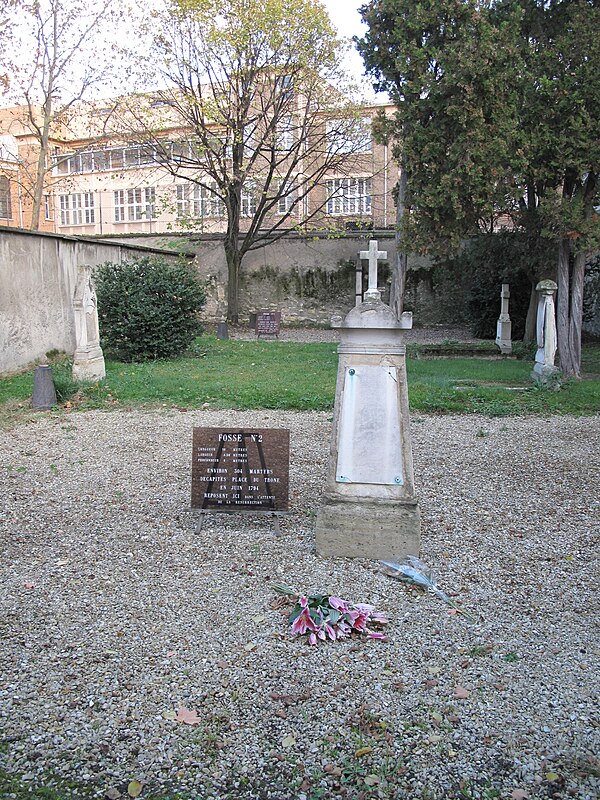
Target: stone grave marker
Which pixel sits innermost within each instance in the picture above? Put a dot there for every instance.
(369, 507)
(544, 371)
(504, 325)
(88, 359)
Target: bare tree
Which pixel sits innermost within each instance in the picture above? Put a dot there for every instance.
(62, 57)
(255, 87)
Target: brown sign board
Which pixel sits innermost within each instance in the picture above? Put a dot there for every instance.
(237, 469)
(268, 323)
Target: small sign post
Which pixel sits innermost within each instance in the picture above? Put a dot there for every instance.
(241, 470)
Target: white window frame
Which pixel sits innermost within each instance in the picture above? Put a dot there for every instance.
(285, 133)
(349, 136)
(285, 202)
(349, 196)
(119, 202)
(248, 200)
(195, 201)
(141, 204)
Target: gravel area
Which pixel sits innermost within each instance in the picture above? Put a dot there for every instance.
(115, 614)
(430, 335)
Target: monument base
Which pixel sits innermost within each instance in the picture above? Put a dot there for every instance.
(88, 366)
(546, 375)
(368, 529)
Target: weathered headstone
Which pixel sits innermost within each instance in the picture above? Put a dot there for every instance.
(504, 325)
(237, 469)
(544, 371)
(268, 323)
(369, 506)
(88, 359)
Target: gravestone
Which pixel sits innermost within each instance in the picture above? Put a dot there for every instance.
(369, 507)
(544, 371)
(88, 359)
(237, 469)
(504, 325)
(268, 323)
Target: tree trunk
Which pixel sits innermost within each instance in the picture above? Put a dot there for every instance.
(38, 186)
(530, 321)
(233, 253)
(568, 365)
(400, 263)
(576, 318)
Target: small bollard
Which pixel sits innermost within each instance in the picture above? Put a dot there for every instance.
(222, 332)
(44, 393)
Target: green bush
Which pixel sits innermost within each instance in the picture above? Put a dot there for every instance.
(148, 309)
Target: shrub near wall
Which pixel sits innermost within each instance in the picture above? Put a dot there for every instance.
(148, 309)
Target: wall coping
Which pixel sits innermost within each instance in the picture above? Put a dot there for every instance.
(95, 240)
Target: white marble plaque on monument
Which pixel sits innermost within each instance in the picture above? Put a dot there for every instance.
(370, 449)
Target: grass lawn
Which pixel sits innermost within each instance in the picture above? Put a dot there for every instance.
(290, 375)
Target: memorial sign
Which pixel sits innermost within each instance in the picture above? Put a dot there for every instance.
(268, 323)
(240, 470)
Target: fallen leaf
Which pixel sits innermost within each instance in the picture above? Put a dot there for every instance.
(429, 684)
(169, 714)
(134, 789)
(551, 776)
(63, 563)
(28, 585)
(452, 612)
(435, 670)
(112, 794)
(289, 741)
(305, 785)
(437, 716)
(170, 653)
(372, 780)
(331, 769)
(281, 714)
(519, 794)
(260, 618)
(187, 716)
(363, 751)
(250, 647)
(460, 693)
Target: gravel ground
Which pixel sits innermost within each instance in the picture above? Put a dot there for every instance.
(430, 335)
(115, 614)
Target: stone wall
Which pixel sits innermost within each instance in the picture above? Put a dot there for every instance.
(38, 273)
(308, 277)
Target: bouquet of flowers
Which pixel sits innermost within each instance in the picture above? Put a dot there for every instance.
(322, 617)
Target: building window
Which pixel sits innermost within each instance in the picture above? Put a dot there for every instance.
(133, 205)
(285, 203)
(4, 198)
(248, 200)
(285, 133)
(77, 209)
(349, 196)
(195, 201)
(119, 205)
(349, 136)
(47, 207)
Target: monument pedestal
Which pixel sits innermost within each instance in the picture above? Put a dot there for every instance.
(369, 507)
(88, 364)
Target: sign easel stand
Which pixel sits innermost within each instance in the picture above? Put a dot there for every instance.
(200, 515)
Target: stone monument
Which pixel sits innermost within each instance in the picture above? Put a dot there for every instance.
(88, 359)
(369, 506)
(544, 371)
(503, 326)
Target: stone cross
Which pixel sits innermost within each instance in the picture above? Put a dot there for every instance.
(373, 255)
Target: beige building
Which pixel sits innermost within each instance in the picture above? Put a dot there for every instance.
(102, 182)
